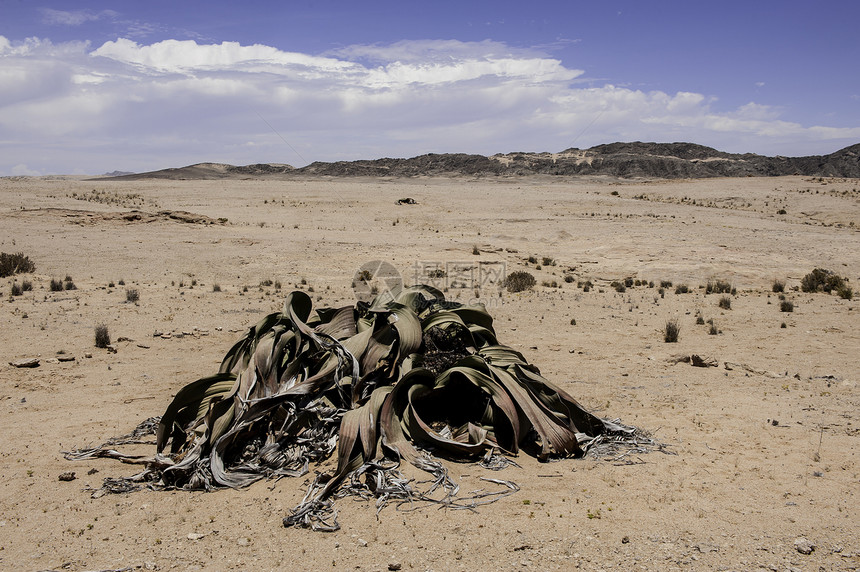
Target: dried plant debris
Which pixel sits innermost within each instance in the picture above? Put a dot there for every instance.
(620, 443)
(409, 377)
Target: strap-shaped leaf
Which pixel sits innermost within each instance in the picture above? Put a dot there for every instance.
(195, 397)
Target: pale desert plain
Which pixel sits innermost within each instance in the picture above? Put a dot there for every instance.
(760, 469)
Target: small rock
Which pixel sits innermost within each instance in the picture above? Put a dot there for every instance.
(124, 339)
(803, 545)
(150, 566)
(144, 346)
(26, 362)
(166, 336)
(66, 358)
(111, 348)
(69, 476)
(362, 542)
(92, 471)
(52, 360)
(394, 566)
(157, 333)
(195, 536)
(88, 355)
(243, 541)
(625, 540)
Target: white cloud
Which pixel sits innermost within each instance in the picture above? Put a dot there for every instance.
(22, 170)
(74, 17)
(130, 106)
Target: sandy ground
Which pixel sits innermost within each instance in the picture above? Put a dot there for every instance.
(764, 453)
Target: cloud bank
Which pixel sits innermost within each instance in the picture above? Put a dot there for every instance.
(76, 108)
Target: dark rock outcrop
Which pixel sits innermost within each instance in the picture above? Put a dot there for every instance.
(628, 160)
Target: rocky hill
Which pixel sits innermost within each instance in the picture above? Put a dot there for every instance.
(628, 160)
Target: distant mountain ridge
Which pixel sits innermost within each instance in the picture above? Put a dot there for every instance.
(626, 160)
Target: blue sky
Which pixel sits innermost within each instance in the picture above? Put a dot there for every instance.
(100, 86)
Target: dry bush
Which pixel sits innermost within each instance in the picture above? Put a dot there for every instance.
(519, 280)
(821, 280)
(719, 287)
(725, 303)
(15, 264)
(671, 331)
(102, 336)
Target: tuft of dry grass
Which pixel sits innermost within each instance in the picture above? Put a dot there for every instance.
(671, 331)
(132, 295)
(102, 336)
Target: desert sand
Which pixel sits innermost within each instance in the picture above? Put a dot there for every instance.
(764, 447)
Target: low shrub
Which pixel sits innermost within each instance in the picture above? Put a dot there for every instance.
(845, 292)
(132, 295)
(102, 336)
(56, 285)
(821, 280)
(718, 287)
(682, 289)
(671, 331)
(519, 280)
(778, 286)
(786, 306)
(725, 303)
(15, 264)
